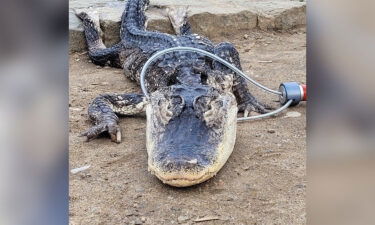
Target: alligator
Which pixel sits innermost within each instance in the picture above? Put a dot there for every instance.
(194, 101)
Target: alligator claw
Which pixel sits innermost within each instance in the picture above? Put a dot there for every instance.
(113, 129)
(254, 106)
(246, 112)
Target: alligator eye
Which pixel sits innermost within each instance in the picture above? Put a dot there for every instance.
(213, 115)
(176, 104)
(176, 100)
(169, 107)
(162, 112)
(202, 104)
(208, 109)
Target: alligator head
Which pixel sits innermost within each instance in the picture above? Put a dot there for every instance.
(191, 132)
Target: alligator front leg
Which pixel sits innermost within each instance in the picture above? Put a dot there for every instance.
(246, 101)
(104, 111)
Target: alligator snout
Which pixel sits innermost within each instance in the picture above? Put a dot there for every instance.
(194, 142)
(181, 164)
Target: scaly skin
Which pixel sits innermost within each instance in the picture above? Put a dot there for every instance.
(191, 115)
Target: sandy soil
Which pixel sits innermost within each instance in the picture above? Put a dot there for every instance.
(263, 182)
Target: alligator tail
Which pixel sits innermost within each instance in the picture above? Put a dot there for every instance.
(133, 28)
(134, 13)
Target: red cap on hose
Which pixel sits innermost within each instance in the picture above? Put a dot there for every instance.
(304, 96)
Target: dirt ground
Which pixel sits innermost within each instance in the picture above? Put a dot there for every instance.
(263, 182)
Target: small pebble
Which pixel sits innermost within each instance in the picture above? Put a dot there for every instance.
(84, 176)
(138, 196)
(128, 213)
(229, 199)
(271, 131)
(181, 219)
(76, 109)
(268, 151)
(246, 36)
(246, 168)
(80, 169)
(175, 209)
(139, 189)
(292, 114)
(300, 186)
(137, 221)
(113, 155)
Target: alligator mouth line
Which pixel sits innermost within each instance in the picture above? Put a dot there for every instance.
(184, 179)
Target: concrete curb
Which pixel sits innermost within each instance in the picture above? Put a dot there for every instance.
(210, 18)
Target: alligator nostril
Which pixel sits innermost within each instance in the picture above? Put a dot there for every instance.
(180, 164)
(190, 164)
(169, 165)
(186, 164)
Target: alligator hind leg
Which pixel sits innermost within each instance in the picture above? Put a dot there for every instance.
(179, 20)
(104, 111)
(246, 101)
(98, 52)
